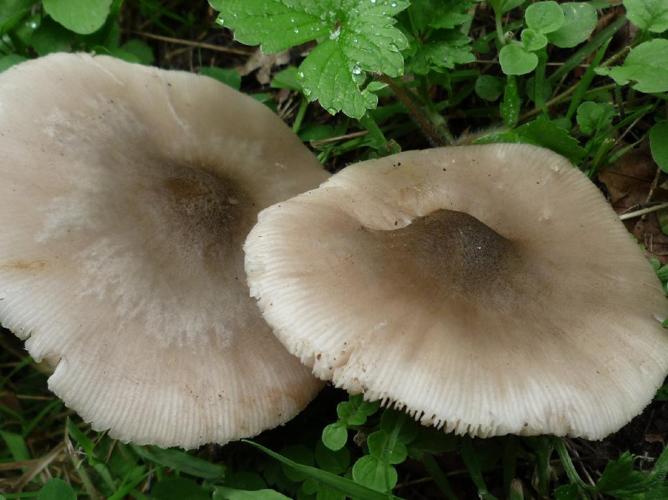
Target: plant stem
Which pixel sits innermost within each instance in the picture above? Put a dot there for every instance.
(435, 136)
(643, 211)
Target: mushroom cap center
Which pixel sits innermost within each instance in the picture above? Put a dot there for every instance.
(208, 207)
(445, 254)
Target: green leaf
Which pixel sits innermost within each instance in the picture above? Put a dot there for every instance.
(277, 24)
(473, 464)
(325, 76)
(16, 445)
(650, 15)
(533, 40)
(181, 461)
(81, 16)
(356, 37)
(225, 493)
(56, 489)
(488, 87)
(444, 50)
(300, 454)
(356, 410)
(620, 479)
(228, 76)
(568, 492)
(11, 12)
(287, 79)
(386, 448)
(516, 60)
(374, 473)
(594, 116)
(336, 462)
(178, 489)
(335, 435)
(439, 14)
(510, 106)
(541, 132)
(646, 64)
(399, 423)
(580, 21)
(503, 6)
(52, 37)
(658, 143)
(342, 484)
(140, 49)
(544, 17)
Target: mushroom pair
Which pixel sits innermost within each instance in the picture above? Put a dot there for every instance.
(126, 194)
(486, 290)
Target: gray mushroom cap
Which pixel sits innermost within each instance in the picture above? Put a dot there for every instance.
(126, 195)
(484, 289)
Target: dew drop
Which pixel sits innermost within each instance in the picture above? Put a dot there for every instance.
(335, 34)
(357, 70)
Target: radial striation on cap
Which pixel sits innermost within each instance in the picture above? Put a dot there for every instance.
(486, 290)
(126, 195)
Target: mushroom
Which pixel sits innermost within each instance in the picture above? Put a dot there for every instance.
(486, 290)
(126, 195)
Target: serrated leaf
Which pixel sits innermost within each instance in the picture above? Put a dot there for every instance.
(516, 60)
(81, 16)
(356, 36)
(646, 65)
(620, 478)
(658, 143)
(544, 17)
(276, 25)
(375, 474)
(443, 52)
(593, 116)
(439, 14)
(650, 15)
(580, 21)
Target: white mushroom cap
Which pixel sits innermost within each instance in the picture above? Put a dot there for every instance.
(485, 289)
(126, 195)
